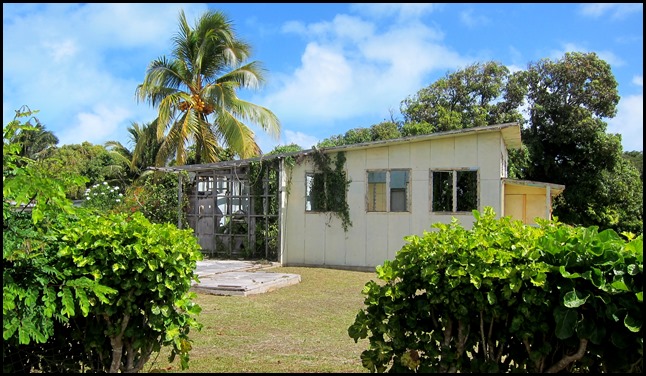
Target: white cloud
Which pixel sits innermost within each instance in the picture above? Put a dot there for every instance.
(94, 127)
(267, 143)
(629, 122)
(472, 20)
(402, 11)
(341, 28)
(61, 50)
(638, 80)
(299, 138)
(614, 11)
(79, 64)
(349, 71)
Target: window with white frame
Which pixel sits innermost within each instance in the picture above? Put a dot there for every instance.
(388, 190)
(454, 190)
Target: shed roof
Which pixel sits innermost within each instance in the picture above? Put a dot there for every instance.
(510, 134)
(555, 189)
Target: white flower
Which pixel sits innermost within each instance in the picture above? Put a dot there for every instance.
(105, 183)
(118, 200)
(87, 198)
(120, 195)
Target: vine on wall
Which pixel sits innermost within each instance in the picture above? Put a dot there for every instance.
(330, 186)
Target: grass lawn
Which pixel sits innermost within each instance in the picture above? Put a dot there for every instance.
(298, 328)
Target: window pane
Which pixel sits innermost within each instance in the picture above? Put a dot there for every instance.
(376, 191)
(398, 190)
(314, 192)
(467, 190)
(308, 191)
(442, 191)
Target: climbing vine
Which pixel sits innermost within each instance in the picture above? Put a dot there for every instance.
(330, 185)
(264, 183)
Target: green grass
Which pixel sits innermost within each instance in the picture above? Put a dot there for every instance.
(298, 328)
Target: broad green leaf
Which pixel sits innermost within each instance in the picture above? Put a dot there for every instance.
(585, 328)
(566, 274)
(565, 322)
(574, 298)
(632, 323)
(619, 284)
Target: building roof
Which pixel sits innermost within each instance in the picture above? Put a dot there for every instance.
(555, 189)
(510, 134)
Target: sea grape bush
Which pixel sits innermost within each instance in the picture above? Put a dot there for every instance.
(506, 297)
(151, 267)
(86, 290)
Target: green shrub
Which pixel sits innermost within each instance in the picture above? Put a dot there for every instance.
(85, 291)
(506, 297)
(151, 266)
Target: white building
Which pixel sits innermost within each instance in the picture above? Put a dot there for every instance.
(396, 188)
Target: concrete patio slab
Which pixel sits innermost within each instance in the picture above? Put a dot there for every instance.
(242, 278)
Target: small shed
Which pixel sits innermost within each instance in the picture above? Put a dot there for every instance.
(527, 200)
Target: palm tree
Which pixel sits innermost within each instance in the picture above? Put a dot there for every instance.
(195, 93)
(146, 145)
(36, 141)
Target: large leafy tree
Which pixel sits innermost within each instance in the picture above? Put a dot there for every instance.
(478, 95)
(195, 93)
(567, 142)
(564, 136)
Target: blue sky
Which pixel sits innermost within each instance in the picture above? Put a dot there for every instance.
(330, 67)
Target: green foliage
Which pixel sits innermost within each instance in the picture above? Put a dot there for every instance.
(194, 92)
(478, 95)
(564, 141)
(385, 130)
(132, 163)
(506, 297)
(151, 266)
(290, 148)
(567, 143)
(330, 186)
(637, 159)
(84, 292)
(102, 197)
(34, 140)
(26, 182)
(156, 197)
(94, 162)
(416, 128)
(37, 295)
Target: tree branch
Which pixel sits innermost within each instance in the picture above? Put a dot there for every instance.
(568, 359)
